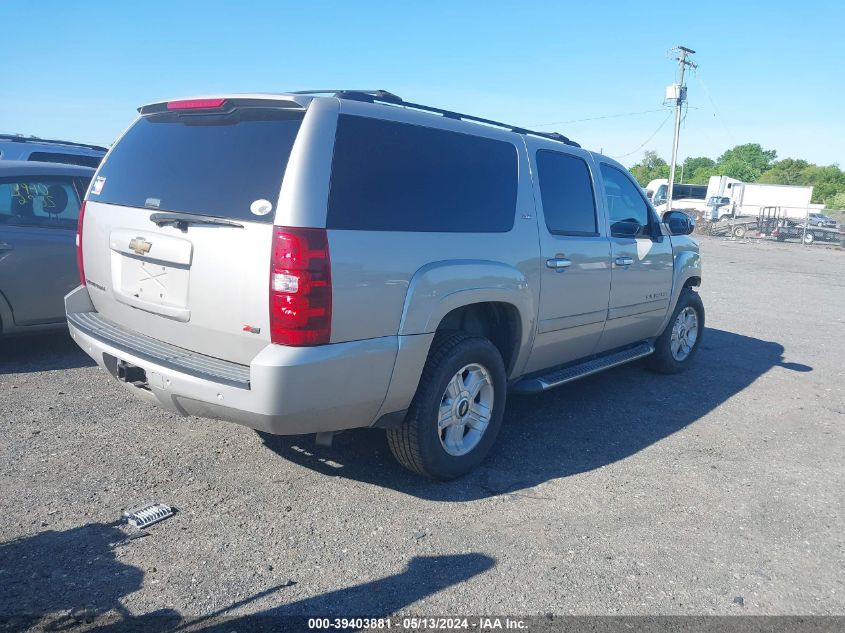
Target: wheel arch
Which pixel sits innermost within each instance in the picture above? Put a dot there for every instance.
(686, 274)
(497, 321)
(471, 295)
(443, 293)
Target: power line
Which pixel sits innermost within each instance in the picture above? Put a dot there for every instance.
(716, 111)
(728, 131)
(595, 118)
(659, 127)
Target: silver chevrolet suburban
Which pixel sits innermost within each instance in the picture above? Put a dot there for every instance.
(313, 262)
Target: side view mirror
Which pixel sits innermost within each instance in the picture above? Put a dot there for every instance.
(678, 223)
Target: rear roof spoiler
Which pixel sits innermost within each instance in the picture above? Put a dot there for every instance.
(224, 104)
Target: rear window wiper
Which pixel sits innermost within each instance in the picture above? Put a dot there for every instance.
(182, 220)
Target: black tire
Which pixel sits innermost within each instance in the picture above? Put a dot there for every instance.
(809, 237)
(662, 359)
(739, 231)
(416, 443)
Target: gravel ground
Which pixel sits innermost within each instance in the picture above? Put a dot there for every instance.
(718, 491)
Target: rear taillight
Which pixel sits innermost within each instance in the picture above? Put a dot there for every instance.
(79, 263)
(300, 287)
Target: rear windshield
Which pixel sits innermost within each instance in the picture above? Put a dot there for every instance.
(227, 166)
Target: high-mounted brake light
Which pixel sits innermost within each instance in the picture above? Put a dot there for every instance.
(300, 287)
(79, 263)
(195, 104)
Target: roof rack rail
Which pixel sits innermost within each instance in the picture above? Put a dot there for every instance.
(19, 138)
(358, 95)
(383, 96)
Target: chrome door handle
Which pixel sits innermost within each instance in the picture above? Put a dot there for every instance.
(624, 261)
(558, 263)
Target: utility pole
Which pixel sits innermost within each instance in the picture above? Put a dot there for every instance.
(677, 93)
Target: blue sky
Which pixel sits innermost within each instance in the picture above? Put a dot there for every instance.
(774, 75)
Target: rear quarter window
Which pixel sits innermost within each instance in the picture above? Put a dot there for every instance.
(389, 176)
(208, 164)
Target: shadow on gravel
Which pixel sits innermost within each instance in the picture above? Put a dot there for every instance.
(424, 576)
(72, 579)
(41, 352)
(572, 429)
(67, 575)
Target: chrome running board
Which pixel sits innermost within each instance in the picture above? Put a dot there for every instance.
(561, 376)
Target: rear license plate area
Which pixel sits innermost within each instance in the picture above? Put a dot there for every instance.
(153, 282)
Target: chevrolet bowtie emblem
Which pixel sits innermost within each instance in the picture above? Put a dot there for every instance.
(140, 245)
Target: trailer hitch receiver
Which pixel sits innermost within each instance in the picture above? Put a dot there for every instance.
(132, 374)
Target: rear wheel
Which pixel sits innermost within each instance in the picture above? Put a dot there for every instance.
(457, 411)
(676, 347)
(739, 231)
(809, 237)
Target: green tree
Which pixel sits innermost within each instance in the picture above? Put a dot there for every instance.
(827, 181)
(838, 201)
(701, 175)
(650, 168)
(788, 171)
(698, 169)
(745, 162)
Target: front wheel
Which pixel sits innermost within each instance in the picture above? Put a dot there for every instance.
(809, 237)
(676, 346)
(739, 231)
(457, 411)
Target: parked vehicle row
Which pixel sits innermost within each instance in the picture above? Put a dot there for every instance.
(17, 147)
(808, 234)
(241, 260)
(822, 220)
(39, 211)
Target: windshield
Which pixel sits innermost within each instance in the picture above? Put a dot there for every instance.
(227, 165)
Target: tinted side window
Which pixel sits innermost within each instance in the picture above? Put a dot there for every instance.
(66, 159)
(50, 202)
(694, 192)
(624, 201)
(567, 194)
(390, 176)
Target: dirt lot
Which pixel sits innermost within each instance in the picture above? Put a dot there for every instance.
(719, 491)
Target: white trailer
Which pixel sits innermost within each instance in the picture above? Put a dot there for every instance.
(724, 197)
(749, 198)
(721, 186)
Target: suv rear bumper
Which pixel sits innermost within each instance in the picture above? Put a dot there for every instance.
(284, 390)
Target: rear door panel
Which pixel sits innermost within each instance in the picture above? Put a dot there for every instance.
(573, 300)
